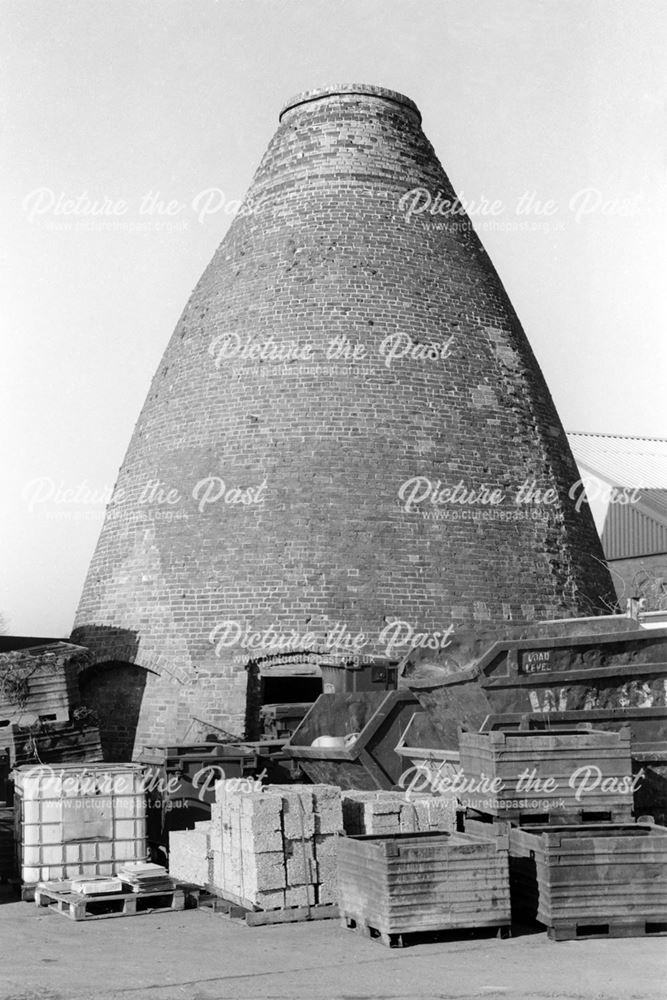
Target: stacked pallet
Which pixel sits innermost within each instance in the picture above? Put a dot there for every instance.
(270, 849)
(383, 812)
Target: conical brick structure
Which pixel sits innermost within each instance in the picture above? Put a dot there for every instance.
(347, 357)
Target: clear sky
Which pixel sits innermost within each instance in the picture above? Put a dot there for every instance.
(148, 101)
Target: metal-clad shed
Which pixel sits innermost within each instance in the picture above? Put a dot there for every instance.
(626, 485)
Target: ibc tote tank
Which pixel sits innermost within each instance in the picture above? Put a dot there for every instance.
(74, 820)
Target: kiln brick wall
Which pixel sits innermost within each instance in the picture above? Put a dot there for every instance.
(323, 249)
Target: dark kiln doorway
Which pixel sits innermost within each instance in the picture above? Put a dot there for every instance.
(114, 692)
(281, 689)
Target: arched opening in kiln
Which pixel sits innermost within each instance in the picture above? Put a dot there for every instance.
(114, 691)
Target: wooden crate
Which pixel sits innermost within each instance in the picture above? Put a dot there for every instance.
(519, 774)
(55, 743)
(49, 671)
(412, 883)
(595, 880)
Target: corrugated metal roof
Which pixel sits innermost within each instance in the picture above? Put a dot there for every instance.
(623, 461)
(628, 463)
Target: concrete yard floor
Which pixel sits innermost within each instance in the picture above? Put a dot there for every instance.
(196, 955)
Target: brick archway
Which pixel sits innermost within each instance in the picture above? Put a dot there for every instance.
(111, 651)
(114, 691)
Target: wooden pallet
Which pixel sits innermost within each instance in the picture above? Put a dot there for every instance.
(76, 906)
(399, 940)
(254, 917)
(615, 928)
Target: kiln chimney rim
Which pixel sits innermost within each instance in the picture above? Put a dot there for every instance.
(350, 89)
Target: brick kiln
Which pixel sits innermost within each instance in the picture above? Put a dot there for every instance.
(347, 357)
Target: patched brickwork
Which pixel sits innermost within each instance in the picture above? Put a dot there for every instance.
(310, 533)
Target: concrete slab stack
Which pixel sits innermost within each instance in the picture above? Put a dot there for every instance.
(386, 812)
(190, 859)
(272, 849)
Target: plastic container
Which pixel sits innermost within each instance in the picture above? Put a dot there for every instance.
(74, 820)
(182, 781)
(339, 678)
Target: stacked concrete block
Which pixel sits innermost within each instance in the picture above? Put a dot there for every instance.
(325, 853)
(215, 847)
(232, 845)
(302, 895)
(257, 848)
(300, 863)
(353, 812)
(189, 859)
(328, 827)
(436, 813)
(377, 813)
(383, 813)
(276, 848)
(297, 810)
(328, 810)
(217, 871)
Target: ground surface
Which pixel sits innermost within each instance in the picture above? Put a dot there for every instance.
(194, 955)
